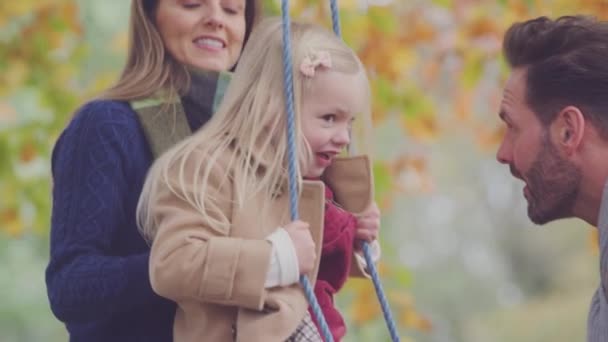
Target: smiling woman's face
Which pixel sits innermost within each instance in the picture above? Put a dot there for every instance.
(205, 34)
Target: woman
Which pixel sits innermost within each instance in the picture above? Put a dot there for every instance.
(97, 277)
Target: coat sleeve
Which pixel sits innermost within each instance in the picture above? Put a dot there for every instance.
(193, 259)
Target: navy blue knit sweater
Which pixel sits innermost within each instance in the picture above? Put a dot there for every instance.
(97, 277)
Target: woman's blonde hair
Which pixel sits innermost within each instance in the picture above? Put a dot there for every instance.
(150, 69)
(248, 132)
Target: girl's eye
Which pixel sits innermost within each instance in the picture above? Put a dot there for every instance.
(329, 118)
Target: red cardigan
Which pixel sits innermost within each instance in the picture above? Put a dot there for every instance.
(336, 257)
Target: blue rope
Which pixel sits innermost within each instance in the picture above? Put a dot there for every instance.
(291, 156)
(293, 198)
(386, 311)
(335, 17)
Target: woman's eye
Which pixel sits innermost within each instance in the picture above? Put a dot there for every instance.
(191, 5)
(231, 10)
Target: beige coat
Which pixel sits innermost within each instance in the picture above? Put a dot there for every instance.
(217, 277)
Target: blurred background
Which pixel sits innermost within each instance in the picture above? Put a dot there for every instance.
(461, 260)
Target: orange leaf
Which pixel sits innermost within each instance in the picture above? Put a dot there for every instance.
(27, 153)
(423, 127)
(594, 238)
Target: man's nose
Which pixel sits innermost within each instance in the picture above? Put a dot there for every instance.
(504, 153)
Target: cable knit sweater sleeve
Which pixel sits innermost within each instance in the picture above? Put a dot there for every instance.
(95, 162)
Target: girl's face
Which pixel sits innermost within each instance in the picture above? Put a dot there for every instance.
(328, 109)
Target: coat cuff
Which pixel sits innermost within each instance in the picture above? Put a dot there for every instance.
(284, 268)
(237, 263)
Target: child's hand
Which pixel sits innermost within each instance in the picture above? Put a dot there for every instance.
(299, 233)
(368, 224)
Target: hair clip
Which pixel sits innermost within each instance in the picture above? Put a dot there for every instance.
(314, 60)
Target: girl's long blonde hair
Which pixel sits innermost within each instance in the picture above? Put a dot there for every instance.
(248, 129)
(150, 69)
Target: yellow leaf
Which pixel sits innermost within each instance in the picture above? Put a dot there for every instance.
(430, 72)
(401, 61)
(365, 308)
(419, 31)
(18, 8)
(120, 42)
(519, 7)
(64, 73)
(103, 81)
(70, 12)
(296, 7)
(488, 139)
(15, 74)
(482, 25)
(594, 238)
(11, 223)
(356, 31)
(401, 299)
(8, 114)
(412, 175)
(348, 4)
(412, 319)
(463, 106)
(14, 229)
(421, 127)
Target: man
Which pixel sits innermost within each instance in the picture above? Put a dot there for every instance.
(555, 107)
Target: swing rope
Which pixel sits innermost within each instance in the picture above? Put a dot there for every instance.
(293, 193)
(386, 310)
(291, 156)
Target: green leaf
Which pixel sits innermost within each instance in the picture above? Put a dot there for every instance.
(382, 179)
(403, 276)
(58, 23)
(443, 3)
(473, 71)
(382, 19)
(5, 161)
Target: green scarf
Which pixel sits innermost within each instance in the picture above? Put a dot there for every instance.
(165, 124)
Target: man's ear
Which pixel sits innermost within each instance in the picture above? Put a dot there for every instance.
(568, 129)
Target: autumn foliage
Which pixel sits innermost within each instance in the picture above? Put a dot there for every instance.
(435, 68)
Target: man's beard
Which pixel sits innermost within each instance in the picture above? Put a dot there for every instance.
(553, 185)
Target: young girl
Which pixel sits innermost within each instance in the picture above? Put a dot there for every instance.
(216, 206)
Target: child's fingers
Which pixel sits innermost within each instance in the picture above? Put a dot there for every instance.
(369, 213)
(372, 211)
(369, 223)
(366, 235)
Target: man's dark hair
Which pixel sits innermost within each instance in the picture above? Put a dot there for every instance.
(567, 64)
